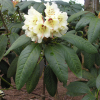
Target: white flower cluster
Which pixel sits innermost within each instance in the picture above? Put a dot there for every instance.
(55, 23)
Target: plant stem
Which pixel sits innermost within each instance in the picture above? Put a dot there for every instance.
(6, 82)
(19, 14)
(43, 98)
(3, 22)
(97, 95)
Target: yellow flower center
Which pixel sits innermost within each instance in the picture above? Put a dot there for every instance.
(50, 20)
(35, 20)
(50, 11)
(42, 29)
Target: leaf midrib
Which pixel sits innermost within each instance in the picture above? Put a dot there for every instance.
(25, 63)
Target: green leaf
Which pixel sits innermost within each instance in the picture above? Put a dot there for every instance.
(33, 79)
(39, 7)
(89, 97)
(94, 30)
(14, 29)
(19, 42)
(92, 83)
(79, 42)
(26, 64)
(84, 21)
(89, 60)
(16, 25)
(3, 44)
(72, 17)
(11, 57)
(78, 87)
(8, 5)
(87, 75)
(94, 72)
(98, 82)
(70, 93)
(50, 80)
(57, 62)
(72, 60)
(36, 5)
(97, 59)
(13, 38)
(12, 69)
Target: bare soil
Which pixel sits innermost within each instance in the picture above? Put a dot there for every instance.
(14, 94)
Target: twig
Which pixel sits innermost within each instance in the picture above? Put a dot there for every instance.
(19, 14)
(7, 82)
(3, 22)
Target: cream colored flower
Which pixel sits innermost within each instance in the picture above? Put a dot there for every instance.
(55, 23)
(33, 36)
(59, 32)
(51, 9)
(62, 17)
(32, 11)
(31, 21)
(52, 23)
(42, 30)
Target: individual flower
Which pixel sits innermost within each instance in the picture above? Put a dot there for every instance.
(52, 23)
(59, 32)
(42, 30)
(33, 36)
(32, 11)
(62, 17)
(31, 21)
(51, 9)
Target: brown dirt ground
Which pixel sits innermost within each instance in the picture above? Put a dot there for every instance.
(14, 94)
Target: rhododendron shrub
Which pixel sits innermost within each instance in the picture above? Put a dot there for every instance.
(42, 32)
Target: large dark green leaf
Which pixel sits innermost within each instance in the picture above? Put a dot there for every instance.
(84, 21)
(36, 5)
(71, 93)
(57, 62)
(13, 38)
(89, 60)
(97, 59)
(26, 63)
(14, 29)
(94, 72)
(11, 57)
(98, 82)
(92, 83)
(72, 60)
(12, 69)
(79, 42)
(8, 5)
(16, 25)
(87, 75)
(72, 17)
(89, 97)
(3, 44)
(78, 87)
(50, 81)
(19, 42)
(94, 30)
(33, 80)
